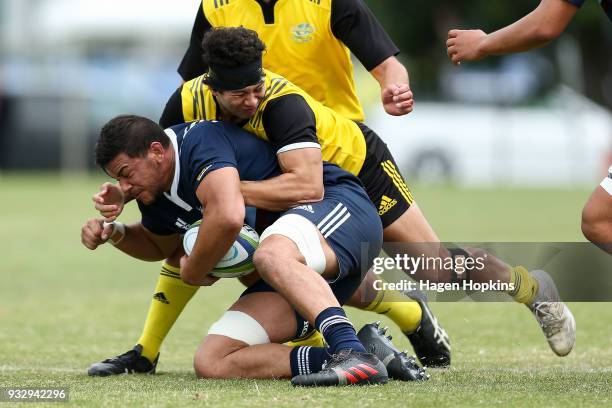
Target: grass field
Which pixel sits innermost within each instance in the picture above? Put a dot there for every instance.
(63, 307)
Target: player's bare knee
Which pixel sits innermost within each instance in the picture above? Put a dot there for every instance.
(272, 253)
(214, 368)
(206, 362)
(264, 260)
(211, 359)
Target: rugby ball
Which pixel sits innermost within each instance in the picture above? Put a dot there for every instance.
(238, 261)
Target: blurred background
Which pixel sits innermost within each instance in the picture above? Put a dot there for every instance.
(535, 119)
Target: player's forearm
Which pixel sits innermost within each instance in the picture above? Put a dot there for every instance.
(137, 244)
(390, 72)
(536, 29)
(282, 192)
(517, 37)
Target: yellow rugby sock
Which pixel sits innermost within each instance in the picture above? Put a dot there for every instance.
(314, 339)
(170, 297)
(404, 312)
(525, 285)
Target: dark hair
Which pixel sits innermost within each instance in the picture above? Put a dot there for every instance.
(231, 46)
(129, 134)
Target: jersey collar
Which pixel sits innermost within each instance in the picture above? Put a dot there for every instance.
(172, 195)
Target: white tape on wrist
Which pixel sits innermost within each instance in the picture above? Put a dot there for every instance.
(118, 227)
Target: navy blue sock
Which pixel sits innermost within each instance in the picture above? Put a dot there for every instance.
(337, 331)
(307, 360)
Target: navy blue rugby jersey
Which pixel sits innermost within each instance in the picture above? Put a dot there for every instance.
(205, 146)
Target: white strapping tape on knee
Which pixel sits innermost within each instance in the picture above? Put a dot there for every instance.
(607, 182)
(304, 234)
(240, 326)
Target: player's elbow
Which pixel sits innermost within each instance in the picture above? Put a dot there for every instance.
(229, 219)
(232, 221)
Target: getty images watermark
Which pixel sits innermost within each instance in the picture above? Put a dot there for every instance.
(459, 264)
(580, 271)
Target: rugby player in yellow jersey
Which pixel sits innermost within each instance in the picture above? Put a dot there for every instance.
(309, 43)
(236, 89)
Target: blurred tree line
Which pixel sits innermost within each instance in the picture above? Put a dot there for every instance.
(419, 28)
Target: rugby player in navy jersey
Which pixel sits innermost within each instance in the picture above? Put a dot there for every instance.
(194, 170)
(302, 37)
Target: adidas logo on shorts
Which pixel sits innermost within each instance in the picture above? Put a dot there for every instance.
(386, 204)
(305, 208)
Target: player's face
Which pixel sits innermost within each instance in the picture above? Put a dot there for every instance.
(139, 177)
(242, 103)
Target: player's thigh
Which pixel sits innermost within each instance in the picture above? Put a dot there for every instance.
(345, 220)
(275, 315)
(410, 226)
(401, 217)
(295, 237)
(257, 317)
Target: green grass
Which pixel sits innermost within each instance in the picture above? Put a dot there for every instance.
(63, 307)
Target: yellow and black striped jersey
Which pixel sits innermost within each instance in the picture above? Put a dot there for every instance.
(287, 117)
(308, 42)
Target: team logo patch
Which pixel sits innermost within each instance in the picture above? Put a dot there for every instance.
(386, 204)
(302, 33)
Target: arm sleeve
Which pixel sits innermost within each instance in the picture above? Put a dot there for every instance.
(173, 112)
(192, 64)
(290, 123)
(355, 25)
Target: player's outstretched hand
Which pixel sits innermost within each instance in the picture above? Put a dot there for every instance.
(109, 201)
(464, 45)
(397, 99)
(95, 233)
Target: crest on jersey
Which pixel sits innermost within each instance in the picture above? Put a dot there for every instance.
(302, 32)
